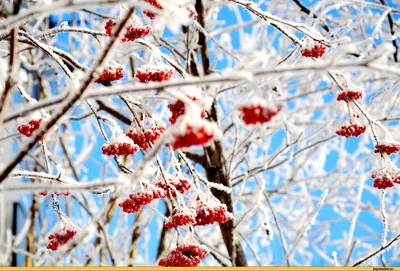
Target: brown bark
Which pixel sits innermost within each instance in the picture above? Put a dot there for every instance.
(215, 163)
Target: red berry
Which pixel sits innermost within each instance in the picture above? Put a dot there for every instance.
(147, 74)
(201, 134)
(60, 238)
(353, 129)
(387, 148)
(109, 27)
(350, 95)
(316, 52)
(121, 145)
(136, 201)
(144, 139)
(30, 127)
(211, 213)
(178, 108)
(183, 218)
(136, 32)
(185, 256)
(254, 114)
(154, 3)
(174, 184)
(132, 33)
(383, 182)
(110, 74)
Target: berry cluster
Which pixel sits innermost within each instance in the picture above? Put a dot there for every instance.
(387, 148)
(382, 182)
(28, 129)
(121, 145)
(209, 214)
(136, 32)
(178, 108)
(350, 95)
(136, 201)
(143, 140)
(132, 33)
(316, 52)
(185, 255)
(110, 74)
(64, 194)
(181, 219)
(174, 185)
(386, 177)
(109, 27)
(154, 3)
(201, 134)
(353, 129)
(253, 114)
(154, 74)
(60, 238)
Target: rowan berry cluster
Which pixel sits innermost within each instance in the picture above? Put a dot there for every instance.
(194, 135)
(140, 198)
(154, 3)
(317, 51)
(258, 113)
(145, 139)
(387, 148)
(352, 129)
(178, 108)
(30, 127)
(132, 33)
(60, 238)
(146, 74)
(174, 185)
(185, 255)
(350, 95)
(387, 176)
(211, 213)
(182, 218)
(110, 74)
(121, 145)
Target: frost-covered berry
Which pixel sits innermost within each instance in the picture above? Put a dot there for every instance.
(147, 73)
(154, 3)
(193, 133)
(387, 148)
(178, 109)
(349, 95)
(144, 139)
(181, 218)
(60, 238)
(317, 51)
(351, 129)
(387, 176)
(185, 255)
(136, 201)
(136, 32)
(257, 113)
(174, 185)
(30, 127)
(112, 73)
(120, 145)
(383, 182)
(211, 212)
(132, 33)
(109, 27)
